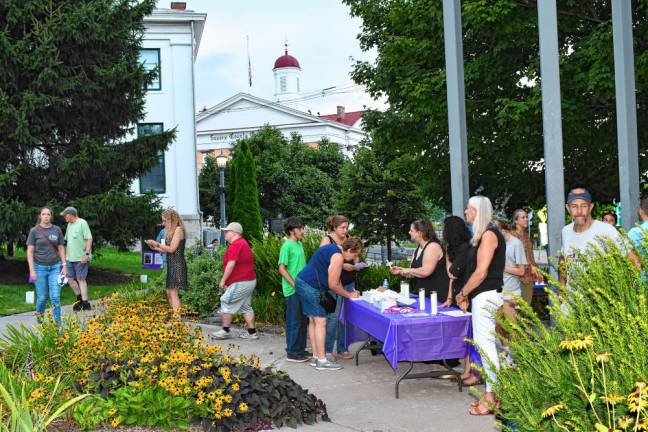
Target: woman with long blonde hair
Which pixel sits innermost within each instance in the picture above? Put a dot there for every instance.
(174, 247)
(484, 290)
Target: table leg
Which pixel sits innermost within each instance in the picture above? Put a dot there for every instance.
(363, 347)
(404, 376)
(456, 374)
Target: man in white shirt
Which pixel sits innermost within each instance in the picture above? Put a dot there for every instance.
(584, 232)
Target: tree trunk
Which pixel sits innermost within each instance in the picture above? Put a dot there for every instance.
(10, 248)
(389, 246)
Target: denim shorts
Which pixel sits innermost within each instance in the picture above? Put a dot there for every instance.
(77, 270)
(309, 298)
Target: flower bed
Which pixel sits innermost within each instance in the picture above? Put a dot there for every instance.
(142, 367)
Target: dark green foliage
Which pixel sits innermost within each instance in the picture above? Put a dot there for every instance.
(209, 189)
(245, 208)
(204, 271)
(504, 122)
(295, 179)
(71, 89)
(381, 193)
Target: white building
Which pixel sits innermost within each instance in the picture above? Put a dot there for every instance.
(171, 41)
(220, 126)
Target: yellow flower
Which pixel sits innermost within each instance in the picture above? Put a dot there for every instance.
(624, 422)
(549, 412)
(243, 407)
(227, 398)
(235, 387)
(115, 422)
(612, 399)
(112, 411)
(228, 412)
(603, 357)
(577, 344)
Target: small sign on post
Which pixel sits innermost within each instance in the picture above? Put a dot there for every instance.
(151, 260)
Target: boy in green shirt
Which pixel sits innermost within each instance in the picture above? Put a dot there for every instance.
(291, 261)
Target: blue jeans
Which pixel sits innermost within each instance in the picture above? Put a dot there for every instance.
(47, 281)
(296, 325)
(335, 328)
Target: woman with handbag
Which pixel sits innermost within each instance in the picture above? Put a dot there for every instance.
(483, 290)
(313, 283)
(46, 259)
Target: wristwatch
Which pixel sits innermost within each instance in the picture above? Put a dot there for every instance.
(87, 254)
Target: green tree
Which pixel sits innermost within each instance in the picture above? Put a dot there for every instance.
(380, 194)
(246, 198)
(209, 188)
(71, 89)
(503, 102)
(295, 179)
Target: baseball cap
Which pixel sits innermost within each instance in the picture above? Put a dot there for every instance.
(70, 210)
(585, 196)
(234, 227)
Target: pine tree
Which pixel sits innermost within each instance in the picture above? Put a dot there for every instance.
(246, 209)
(71, 89)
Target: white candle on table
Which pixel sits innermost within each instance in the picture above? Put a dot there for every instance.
(433, 303)
(422, 299)
(404, 289)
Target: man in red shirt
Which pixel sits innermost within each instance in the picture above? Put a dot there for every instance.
(238, 281)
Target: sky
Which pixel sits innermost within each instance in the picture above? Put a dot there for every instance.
(320, 34)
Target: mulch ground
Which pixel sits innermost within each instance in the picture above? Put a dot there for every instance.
(16, 272)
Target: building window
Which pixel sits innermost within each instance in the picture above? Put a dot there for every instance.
(153, 181)
(150, 58)
(282, 84)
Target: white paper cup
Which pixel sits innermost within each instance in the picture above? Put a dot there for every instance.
(143, 278)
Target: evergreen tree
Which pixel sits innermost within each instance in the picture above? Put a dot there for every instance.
(209, 189)
(71, 89)
(246, 199)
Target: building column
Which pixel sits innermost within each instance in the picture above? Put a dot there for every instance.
(626, 107)
(552, 122)
(458, 141)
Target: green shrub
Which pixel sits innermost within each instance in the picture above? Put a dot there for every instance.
(204, 273)
(589, 371)
(374, 275)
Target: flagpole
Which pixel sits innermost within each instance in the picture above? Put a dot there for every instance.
(247, 38)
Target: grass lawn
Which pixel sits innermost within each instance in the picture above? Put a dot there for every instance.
(12, 297)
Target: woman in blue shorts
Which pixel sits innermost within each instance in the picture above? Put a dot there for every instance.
(322, 273)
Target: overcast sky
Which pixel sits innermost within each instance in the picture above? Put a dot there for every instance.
(320, 34)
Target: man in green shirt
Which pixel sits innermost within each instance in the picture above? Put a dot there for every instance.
(79, 244)
(291, 261)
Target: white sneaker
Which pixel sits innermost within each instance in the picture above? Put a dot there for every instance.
(313, 361)
(221, 334)
(253, 336)
(328, 365)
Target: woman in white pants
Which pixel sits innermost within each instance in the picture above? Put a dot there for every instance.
(484, 290)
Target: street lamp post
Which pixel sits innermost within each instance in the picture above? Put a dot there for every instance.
(221, 163)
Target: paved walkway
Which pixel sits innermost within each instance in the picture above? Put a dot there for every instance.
(358, 398)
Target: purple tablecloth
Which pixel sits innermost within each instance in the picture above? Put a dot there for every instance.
(408, 338)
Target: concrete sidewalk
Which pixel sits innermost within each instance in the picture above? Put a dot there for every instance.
(358, 398)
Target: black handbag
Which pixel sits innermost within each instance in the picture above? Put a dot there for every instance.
(327, 301)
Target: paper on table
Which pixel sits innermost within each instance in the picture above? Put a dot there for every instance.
(356, 299)
(455, 313)
(406, 300)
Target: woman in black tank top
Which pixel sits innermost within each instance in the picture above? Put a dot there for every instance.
(428, 267)
(483, 289)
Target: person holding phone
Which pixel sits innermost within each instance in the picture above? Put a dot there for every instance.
(174, 247)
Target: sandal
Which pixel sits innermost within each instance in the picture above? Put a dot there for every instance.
(472, 381)
(481, 410)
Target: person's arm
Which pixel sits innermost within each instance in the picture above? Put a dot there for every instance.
(562, 277)
(431, 257)
(175, 242)
(325, 240)
(485, 255)
(227, 272)
(284, 274)
(517, 270)
(30, 261)
(635, 259)
(334, 272)
(87, 235)
(61, 252)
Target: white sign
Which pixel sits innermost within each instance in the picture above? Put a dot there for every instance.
(229, 137)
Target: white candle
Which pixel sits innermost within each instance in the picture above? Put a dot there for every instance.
(433, 303)
(422, 299)
(404, 289)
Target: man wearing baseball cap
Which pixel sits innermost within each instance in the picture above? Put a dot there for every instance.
(238, 281)
(78, 240)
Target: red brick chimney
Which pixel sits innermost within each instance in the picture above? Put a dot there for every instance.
(340, 113)
(179, 5)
